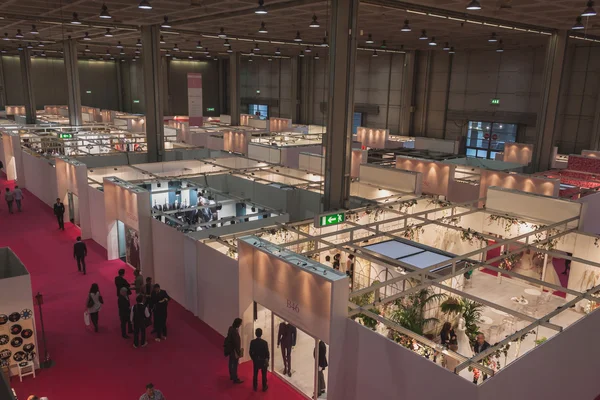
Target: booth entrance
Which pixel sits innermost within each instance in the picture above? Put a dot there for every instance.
(73, 207)
(300, 347)
(129, 245)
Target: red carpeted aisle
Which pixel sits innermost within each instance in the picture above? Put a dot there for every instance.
(100, 366)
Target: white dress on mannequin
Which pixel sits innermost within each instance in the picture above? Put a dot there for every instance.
(526, 266)
(464, 346)
(551, 275)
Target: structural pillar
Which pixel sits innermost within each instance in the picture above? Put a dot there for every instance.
(73, 89)
(295, 86)
(306, 90)
(2, 84)
(120, 85)
(407, 110)
(338, 139)
(235, 100)
(548, 115)
(155, 130)
(30, 111)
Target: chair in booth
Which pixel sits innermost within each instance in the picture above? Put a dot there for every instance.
(26, 368)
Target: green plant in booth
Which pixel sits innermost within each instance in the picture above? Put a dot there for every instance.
(365, 300)
(410, 310)
(540, 341)
(467, 309)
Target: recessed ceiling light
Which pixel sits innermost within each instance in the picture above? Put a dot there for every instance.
(145, 5)
(87, 37)
(432, 41)
(104, 12)
(589, 10)
(423, 35)
(406, 27)
(107, 33)
(474, 5)
(261, 8)
(175, 48)
(314, 23)
(19, 35)
(165, 23)
(308, 49)
(222, 34)
(493, 38)
(139, 43)
(297, 38)
(162, 39)
(369, 39)
(75, 20)
(375, 53)
(34, 31)
(578, 24)
(263, 28)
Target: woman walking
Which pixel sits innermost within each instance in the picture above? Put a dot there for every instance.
(94, 304)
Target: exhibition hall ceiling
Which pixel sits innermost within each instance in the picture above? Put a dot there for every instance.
(513, 23)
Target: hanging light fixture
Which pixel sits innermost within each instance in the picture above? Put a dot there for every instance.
(500, 48)
(578, 24)
(87, 36)
(297, 38)
(165, 24)
(277, 52)
(446, 47)
(6, 36)
(199, 45)
(43, 53)
(375, 53)
(175, 48)
(251, 53)
(451, 51)
(122, 52)
(589, 10)
(263, 28)
(222, 34)
(269, 59)
(40, 44)
(226, 44)
(301, 54)
(3, 50)
(206, 51)
(369, 39)
(493, 38)
(162, 39)
(137, 51)
(107, 52)
(190, 56)
(383, 45)
(34, 31)
(20, 47)
(474, 5)
(104, 12)
(256, 48)
(406, 27)
(168, 54)
(139, 43)
(107, 33)
(145, 5)
(316, 56)
(75, 20)
(324, 44)
(314, 23)
(423, 35)
(261, 8)
(432, 42)
(19, 35)
(229, 49)
(29, 45)
(87, 48)
(119, 45)
(308, 49)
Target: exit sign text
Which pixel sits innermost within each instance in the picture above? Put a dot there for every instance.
(495, 101)
(330, 219)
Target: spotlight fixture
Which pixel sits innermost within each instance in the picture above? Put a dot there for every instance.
(145, 5)
(297, 38)
(226, 44)
(87, 48)
(75, 20)
(446, 47)
(324, 44)
(139, 43)
(432, 42)
(87, 36)
(451, 51)
(500, 48)
(493, 38)
(19, 35)
(175, 48)
(375, 53)
(369, 39)
(308, 49)
(165, 23)
(316, 56)
(5, 36)
(406, 27)
(423, 35)
(474, 5)
(314, 23)
(589, 10)
(162, 39)
(104, 12)
(277, 52)
(222, 34)
(119, 45)
(256, 48)
(383, 45)
(34, 31)
(301, 53)
(29, 45)
(578, 24)
(263, 28)
(261, 8)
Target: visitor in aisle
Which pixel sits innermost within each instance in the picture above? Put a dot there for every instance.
(138, 283)
(160, 299)
(138, 317)
(322, 365)
(10, 198)
(259, 353)
(59, 212)
(480, 346)
(233, 349)
(18, 197)
(79, 253)
(336, 261)
(121, 282)
(124, 313)
(152, 394)
(94, 304)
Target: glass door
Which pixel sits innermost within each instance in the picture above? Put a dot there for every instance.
(121, 241)
(485, 139)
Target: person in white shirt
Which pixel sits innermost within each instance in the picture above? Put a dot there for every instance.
(18, 193)
(152, 394)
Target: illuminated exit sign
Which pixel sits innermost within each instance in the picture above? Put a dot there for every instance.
(65, 135)
(495, 102)
(136, 101)
(210, 109)
(329, 219)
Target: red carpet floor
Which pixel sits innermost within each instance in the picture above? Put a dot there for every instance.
(100, 366)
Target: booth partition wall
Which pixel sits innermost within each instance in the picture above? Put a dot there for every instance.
(485, 139)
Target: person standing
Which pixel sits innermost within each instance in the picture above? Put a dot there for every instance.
(94, 304)
(152, 394)
(124, 313)
(79, 253)
(121, 282)
(138, 316)
(138, 283)
(322, 365)
(480, 346)
(59, 211)
(233, 349)
(160, 300)
(18, 197)
(259, 353)
(10, 198)
(286, 338)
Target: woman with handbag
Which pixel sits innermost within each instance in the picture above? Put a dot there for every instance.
(94, 304)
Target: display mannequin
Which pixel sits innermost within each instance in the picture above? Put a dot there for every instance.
(286, 338)
(464, 345)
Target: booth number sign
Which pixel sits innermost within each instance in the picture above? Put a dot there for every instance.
(330, 219)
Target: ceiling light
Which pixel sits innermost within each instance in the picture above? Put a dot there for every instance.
(324, 44)
(317, 56)
(86, 48)
(145, 5)
(20, 47)
(29, 45)
(190, 56)
(314, 23)
(137, 51)
(297, 38)
(446, 47)
(119, 45)
(206, 50)
(263, 28)
(369, 39)
(104, 12)
(423, 35)
(162, 40)
(34, 31)
(139, 43)
(261, 8)
(406, 27)
(168, 54)
(301, 53)
(199, 45)
(107, 52)
(589, 10)
(175, 48)
(122, 52)
(308, 49)
(500, 48)
(43, 54)
(40, 44)
(269, 59)
(578, 25)
(19, 35)
(383, 45)
(6, 36)
(250, 59)
(75, 20)
(87, 37)
(3, 51)
(222, 34)
(165, 23)
(451, 51)
(256, 48)
(277, 52)
(108, 34)
(493, 38)
(136, 56)
(374, 53)
(226, 44)
(432, 42)
(229, 50)
(474, 5)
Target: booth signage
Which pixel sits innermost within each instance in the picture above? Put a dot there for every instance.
(330, 219)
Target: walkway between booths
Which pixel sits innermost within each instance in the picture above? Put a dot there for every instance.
(98, 366)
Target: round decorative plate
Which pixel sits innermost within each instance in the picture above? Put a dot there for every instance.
(27, 333)
(3, 319)
(30, 356)
(5, 354)
(14, 317)
(4, 339)
(26, 313)
(19, 356)
(16, 329)
(23, 364)
(4, 363)
(16, 342)
(28, 348)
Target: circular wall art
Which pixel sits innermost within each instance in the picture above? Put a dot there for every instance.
(27, 333)
(16, 329)
(28, 348)
(4, 339)
(4, 363)
(31, 356)
(16, 342)
(26, 313)
(5, 354)
(3, 319)
(19, 356)
(23, 364)
(14, 317)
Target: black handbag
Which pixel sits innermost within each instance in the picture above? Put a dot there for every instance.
(90, 302)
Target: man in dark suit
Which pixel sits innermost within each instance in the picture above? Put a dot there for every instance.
(322, 365)
(79, 253)
(259, 353)
(286, 338)
(120, 282)
(125, 313)
(59, 211)
(160, 299)
(234, 350)
(480, 346)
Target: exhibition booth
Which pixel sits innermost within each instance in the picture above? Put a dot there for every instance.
(519, 153)
(579, 178)
(130, 123)
(14, 110)
(284, 148)
(315, 162)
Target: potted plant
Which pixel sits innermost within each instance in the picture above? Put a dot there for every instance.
(410, 310)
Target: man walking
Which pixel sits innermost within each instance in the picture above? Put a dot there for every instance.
(259, 353)
(10, 198)
(160, 300)
(59, 211)
(79, 253)
(233, 349)
(18, 197)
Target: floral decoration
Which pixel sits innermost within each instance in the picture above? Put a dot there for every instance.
(469, 235)
(412, 232)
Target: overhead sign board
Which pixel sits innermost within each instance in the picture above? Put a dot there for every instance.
(330, 219)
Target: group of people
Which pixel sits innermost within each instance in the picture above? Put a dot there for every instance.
(459, 343)
(13, 196)
(151, 303)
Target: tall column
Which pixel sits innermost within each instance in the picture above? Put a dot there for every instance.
(2, 84)
(155, 130)
(306, 90)
(295, 85)
(235, 100)
(73, 89)
(552, 79)
(407, 105)
(30, 111)
(120, 85)
(222, 85)
(338, 140)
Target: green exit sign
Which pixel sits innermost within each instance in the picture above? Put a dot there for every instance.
(136, 101)
(65, 135)
(330, 219)
(210, 109)
(495, 102)
(88, 91)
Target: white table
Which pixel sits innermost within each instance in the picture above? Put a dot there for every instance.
(533, 292)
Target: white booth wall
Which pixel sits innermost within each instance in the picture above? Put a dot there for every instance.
(40, 178)
(97, 216)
